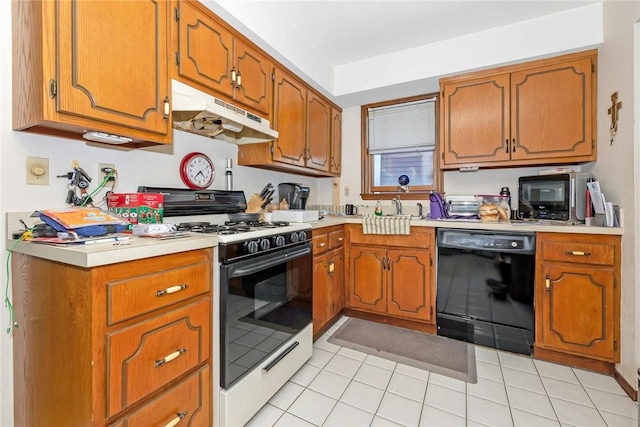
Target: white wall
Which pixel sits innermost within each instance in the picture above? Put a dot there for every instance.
(574, 29)
(618, 163)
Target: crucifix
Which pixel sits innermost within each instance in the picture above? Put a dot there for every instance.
(613, 112)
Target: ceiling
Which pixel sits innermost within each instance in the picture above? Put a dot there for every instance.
(345, 31)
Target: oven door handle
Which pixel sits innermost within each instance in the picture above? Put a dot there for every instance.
(250, 266)
(280, 357)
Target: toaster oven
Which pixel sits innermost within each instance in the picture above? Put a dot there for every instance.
(462, 204)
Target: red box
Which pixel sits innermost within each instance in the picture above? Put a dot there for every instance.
(137, 208)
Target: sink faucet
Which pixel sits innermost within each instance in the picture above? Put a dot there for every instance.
(398, 205)
(420, 210)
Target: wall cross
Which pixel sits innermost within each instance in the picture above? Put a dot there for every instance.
(613, 112)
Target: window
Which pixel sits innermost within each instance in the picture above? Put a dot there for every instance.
(399, 137)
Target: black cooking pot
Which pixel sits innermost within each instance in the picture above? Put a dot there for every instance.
(244, 217)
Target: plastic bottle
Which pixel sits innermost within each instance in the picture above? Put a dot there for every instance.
(228, 174)
(504, 191)
(378, 211)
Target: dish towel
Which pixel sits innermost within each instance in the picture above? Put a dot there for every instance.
(399, 224)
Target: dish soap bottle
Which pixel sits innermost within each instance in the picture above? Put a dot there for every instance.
(378, 211)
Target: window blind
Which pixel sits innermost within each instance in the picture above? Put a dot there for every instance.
(402, 127)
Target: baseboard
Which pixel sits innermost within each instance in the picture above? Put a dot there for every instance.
(628, 388)
(383, 318)
(600, 366)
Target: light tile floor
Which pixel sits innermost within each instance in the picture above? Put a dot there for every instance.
(346, 388)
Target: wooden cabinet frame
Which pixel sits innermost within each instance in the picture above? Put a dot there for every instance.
(535, 113)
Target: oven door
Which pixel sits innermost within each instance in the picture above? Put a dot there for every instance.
(264, 301)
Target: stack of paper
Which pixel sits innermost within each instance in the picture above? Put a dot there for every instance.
(600, 204)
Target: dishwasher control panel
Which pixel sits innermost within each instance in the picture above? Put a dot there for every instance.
(498, 241)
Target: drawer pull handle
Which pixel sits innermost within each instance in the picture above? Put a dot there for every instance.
(169, 357)
(171, 290)
(179, 417)
(340, 239)
(547, 284)
(578, 253)
(322, 245)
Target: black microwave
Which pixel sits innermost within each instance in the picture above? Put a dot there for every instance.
(557, 196)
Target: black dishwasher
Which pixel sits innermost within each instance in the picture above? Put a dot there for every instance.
(485, 284)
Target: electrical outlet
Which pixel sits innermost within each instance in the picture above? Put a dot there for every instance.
(37, 171)
(346, 190)
(102, 174)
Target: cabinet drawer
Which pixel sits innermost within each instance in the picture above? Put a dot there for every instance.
(336, 239)
(420, 237)
(134, 296)
(190, 398)
(135, 354)
(598, 250)
(320, 244)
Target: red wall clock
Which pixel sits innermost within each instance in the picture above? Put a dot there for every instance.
(197, 171)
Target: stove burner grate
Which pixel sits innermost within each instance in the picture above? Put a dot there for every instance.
(229, 227)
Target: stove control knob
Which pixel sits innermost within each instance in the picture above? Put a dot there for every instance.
(279, 241)
(252, 246)
(302, 236)
(294, 237)
(265, 244)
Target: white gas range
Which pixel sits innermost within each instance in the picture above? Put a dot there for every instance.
(262, 310)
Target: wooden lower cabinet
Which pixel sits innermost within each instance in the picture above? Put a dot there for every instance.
(392, 275)
(578, 297)
(121, 344)
(186, 403)
(328, 278)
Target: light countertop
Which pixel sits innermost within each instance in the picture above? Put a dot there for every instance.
(88, 256)
(110, 253)
(540, 226)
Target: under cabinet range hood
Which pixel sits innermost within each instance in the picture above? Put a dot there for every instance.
(197, 112)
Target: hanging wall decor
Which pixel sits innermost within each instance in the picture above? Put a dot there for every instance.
(613, 112)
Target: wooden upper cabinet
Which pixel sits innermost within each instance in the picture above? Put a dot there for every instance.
(476, 126)
(536, 113)
(92, 65)
(211, 55)
(255, 71)
(551, 111)
(289, 119)
(318, 132)
(336, 141)
(205, 49)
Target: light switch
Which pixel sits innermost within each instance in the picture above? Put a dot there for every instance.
(37, 170)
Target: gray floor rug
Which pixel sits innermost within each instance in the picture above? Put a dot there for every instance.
(445, 356)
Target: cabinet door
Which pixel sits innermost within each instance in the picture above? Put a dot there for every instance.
(367, 285)
(321, 283)
(336, 142)
(205, 48)
(410, 284)
(551, 110)
(475, 125)
(336, 289)
(112, 62)
(289, 109)
(255, 72)
(318, 132)
(575, 310)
